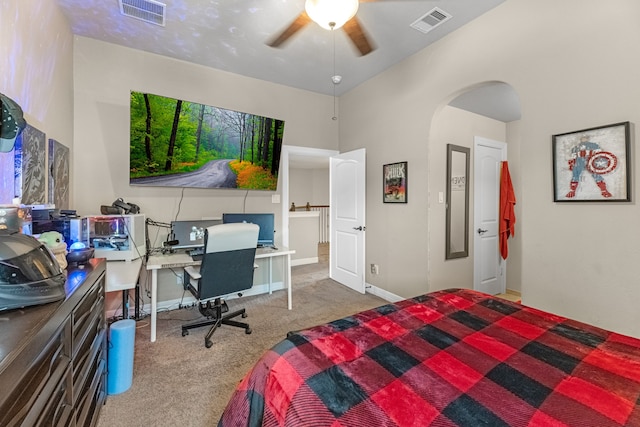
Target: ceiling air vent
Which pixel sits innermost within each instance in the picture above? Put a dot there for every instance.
(149, 11)
(431, 20)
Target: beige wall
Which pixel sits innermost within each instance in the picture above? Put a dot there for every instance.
(572, 70)
(36, 63)
(104, 75)
(304, 236)
(309, 185)
(453, 126)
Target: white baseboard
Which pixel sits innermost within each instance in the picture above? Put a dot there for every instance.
(189, 299)
(256, 290)
(304, 261)
(385, 295)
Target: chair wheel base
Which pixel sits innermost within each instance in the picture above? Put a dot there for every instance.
(214, 318)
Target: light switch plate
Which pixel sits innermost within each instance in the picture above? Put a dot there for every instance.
(275, 198)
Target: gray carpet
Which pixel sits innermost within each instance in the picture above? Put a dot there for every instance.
(177, 381)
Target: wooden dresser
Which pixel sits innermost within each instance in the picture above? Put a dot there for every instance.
(53, 356)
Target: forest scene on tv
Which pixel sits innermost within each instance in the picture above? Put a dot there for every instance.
(176, 143)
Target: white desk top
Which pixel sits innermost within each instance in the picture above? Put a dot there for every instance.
(271, 252)
(182, 259)
(122, 275)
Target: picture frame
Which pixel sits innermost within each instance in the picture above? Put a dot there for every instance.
(58, 185)
(30, 166)
(394, 182)
(592, 165)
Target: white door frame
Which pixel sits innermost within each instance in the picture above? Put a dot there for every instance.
(288, 150)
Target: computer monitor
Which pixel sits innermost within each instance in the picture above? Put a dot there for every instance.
(265, 221)
(190, 234)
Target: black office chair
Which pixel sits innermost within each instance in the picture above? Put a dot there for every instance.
(227, 267)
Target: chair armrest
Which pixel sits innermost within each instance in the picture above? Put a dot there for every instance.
(194, 273)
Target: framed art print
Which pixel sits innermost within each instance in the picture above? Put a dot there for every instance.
(394, 183)
(592, 165)
(30, 171)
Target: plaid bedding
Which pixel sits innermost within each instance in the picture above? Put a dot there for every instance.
(448, 358)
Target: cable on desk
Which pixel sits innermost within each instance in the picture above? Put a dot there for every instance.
(179, 203)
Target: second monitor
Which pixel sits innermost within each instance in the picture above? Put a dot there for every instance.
(190, 234)
(266, 236)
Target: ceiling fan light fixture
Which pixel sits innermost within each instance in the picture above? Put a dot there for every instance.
(331, 14)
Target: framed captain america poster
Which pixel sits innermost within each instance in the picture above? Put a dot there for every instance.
(592, 165)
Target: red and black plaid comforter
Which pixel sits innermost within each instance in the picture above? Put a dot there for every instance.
(449, 358)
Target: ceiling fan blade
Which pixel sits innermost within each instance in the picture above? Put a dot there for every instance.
(358, 36)
(298, 23)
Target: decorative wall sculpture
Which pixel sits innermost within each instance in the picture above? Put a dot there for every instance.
(59, 159)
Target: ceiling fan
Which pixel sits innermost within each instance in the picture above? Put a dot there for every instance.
(331, 15)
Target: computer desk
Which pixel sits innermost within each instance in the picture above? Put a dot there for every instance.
(122, 276)
(181, 260)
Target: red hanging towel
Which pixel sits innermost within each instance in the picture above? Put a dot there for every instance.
(507, 212)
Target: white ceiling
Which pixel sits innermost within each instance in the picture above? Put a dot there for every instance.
(232, 35)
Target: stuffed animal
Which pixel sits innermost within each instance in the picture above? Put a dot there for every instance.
(55, 242)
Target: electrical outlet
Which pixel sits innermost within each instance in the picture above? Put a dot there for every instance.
(374, 269)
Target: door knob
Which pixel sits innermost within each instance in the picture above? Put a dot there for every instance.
(481, 231)
(360, 228)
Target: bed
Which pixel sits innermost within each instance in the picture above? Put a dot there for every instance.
(449, 358)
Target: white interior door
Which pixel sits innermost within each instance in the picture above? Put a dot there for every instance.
(347, 219)
(489, 269)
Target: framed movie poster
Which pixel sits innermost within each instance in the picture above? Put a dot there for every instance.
(394, 184)
(592, 165)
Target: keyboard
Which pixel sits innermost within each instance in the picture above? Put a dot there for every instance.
(196, 254)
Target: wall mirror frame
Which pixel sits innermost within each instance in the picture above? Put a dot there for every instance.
(457, 206)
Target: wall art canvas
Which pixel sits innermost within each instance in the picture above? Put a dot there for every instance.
(7, 177)
(59, 159)
(592, 164)
(30, 158)
(394, 183)
(178, 143)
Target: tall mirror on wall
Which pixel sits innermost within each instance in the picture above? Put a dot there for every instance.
(457, 227)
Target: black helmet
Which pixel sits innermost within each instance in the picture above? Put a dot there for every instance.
(29, 273)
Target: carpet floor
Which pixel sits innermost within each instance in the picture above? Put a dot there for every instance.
(177, 381)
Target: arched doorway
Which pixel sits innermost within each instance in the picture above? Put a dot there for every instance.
(490, 110)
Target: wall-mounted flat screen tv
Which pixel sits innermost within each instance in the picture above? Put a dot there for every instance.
(176, 143)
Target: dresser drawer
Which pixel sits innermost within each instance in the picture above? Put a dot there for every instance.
(57, 410)
(39, 381)
(87, 357)
(92, 396)
(88, 317)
